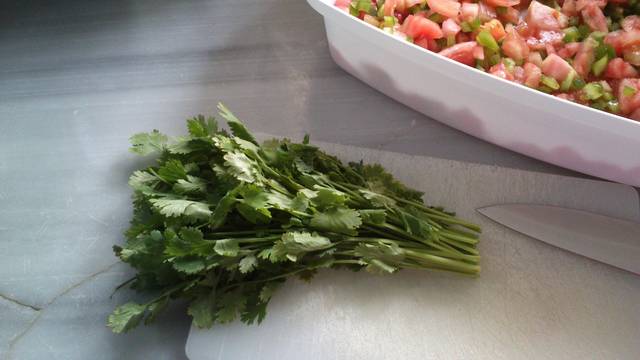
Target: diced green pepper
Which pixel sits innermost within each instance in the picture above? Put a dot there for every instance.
(568, 81)
(501, 10)
(475, 24)
(494, 59)
(389, 21)
(599, 66)
(509, 64)
(485, 39)
(629, 91)
(550, 82)
(592, 91)
(571, 34)
(465, 26)
(362, 5)
(451, 40)
(613, 106)
(578, 84)
(437, 18)
(598, 35)
(574, 21)
(607, 96)
(545, 89)
(409, 39)
(584, 31)
(600, 105)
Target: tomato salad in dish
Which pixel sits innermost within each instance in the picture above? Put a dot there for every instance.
(586, 51)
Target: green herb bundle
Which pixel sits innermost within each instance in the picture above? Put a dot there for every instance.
(223, 221)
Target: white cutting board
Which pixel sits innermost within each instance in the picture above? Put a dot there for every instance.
(531, 300)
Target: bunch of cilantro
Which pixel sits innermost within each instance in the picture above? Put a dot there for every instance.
(223, 221)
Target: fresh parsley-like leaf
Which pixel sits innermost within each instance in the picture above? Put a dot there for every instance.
(227, 247)
(339, 220)
(126, 317)
(248, 264)
(148, 143)
(237, 127)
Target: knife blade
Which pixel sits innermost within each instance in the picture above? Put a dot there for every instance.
(609, 240)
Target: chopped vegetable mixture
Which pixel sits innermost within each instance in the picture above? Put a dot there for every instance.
(585, 51)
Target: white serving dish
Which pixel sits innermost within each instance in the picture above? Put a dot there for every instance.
(498, 111)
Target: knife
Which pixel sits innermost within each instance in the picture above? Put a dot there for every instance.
(609, 240)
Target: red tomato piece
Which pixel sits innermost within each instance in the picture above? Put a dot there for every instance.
(501, 71)
(495, 28)
(629, 38)
(635, 115)
(545, 37)
(569, 8)
(535, 58)
(417, 27)
(469, 11)
(505, 3)
(628, 103)
(631, 23)
(511, 15)
(544, 17)
(514, 46)
(462, 52)
(581, 4)
(343, 4)
(478, 53)
(568, 50)
(556, 67)
(446, 8)
(594, 17)
(390, 7)
(532, 74)
(585, 56)
(620, 69)
(450, 27)
(615, 39)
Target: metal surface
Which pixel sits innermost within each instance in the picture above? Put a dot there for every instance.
(612, 241)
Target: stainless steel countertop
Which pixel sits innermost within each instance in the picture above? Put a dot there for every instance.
(77, 78)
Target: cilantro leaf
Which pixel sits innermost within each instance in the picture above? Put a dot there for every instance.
(189, 265)
(191, 184)
(177, 207)
(143, 181)
(202, 310)
(237, 127)
(148, 143)
(248, 264)
(125, 317)
(172, 171)
(227, 247)
(294, 245)
(200, 127)
(155, 309)
(231, 304)
(339, 220)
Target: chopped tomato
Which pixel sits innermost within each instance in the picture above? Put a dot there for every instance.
(616, 40)
(593, 16)
(620, 69)
(514, 46)
(462, 52)
(532, 74)
(544, 17)
(501, 71)
(535, 58)
(569, 8)
(630, 38)
(495, 28)
(581, 4)
(510, 15)
(390, 7)
(518, 74)
(448, 8)
(450, 27)
(635, 115)
(555, 67)
(343, 4)
(478, 53)
(469, 11)
(568, 50)
(631, 23)
(417, 27)
(585, 57)
(544, 38)
(630, 101)
(486, 12)
(505, 3)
